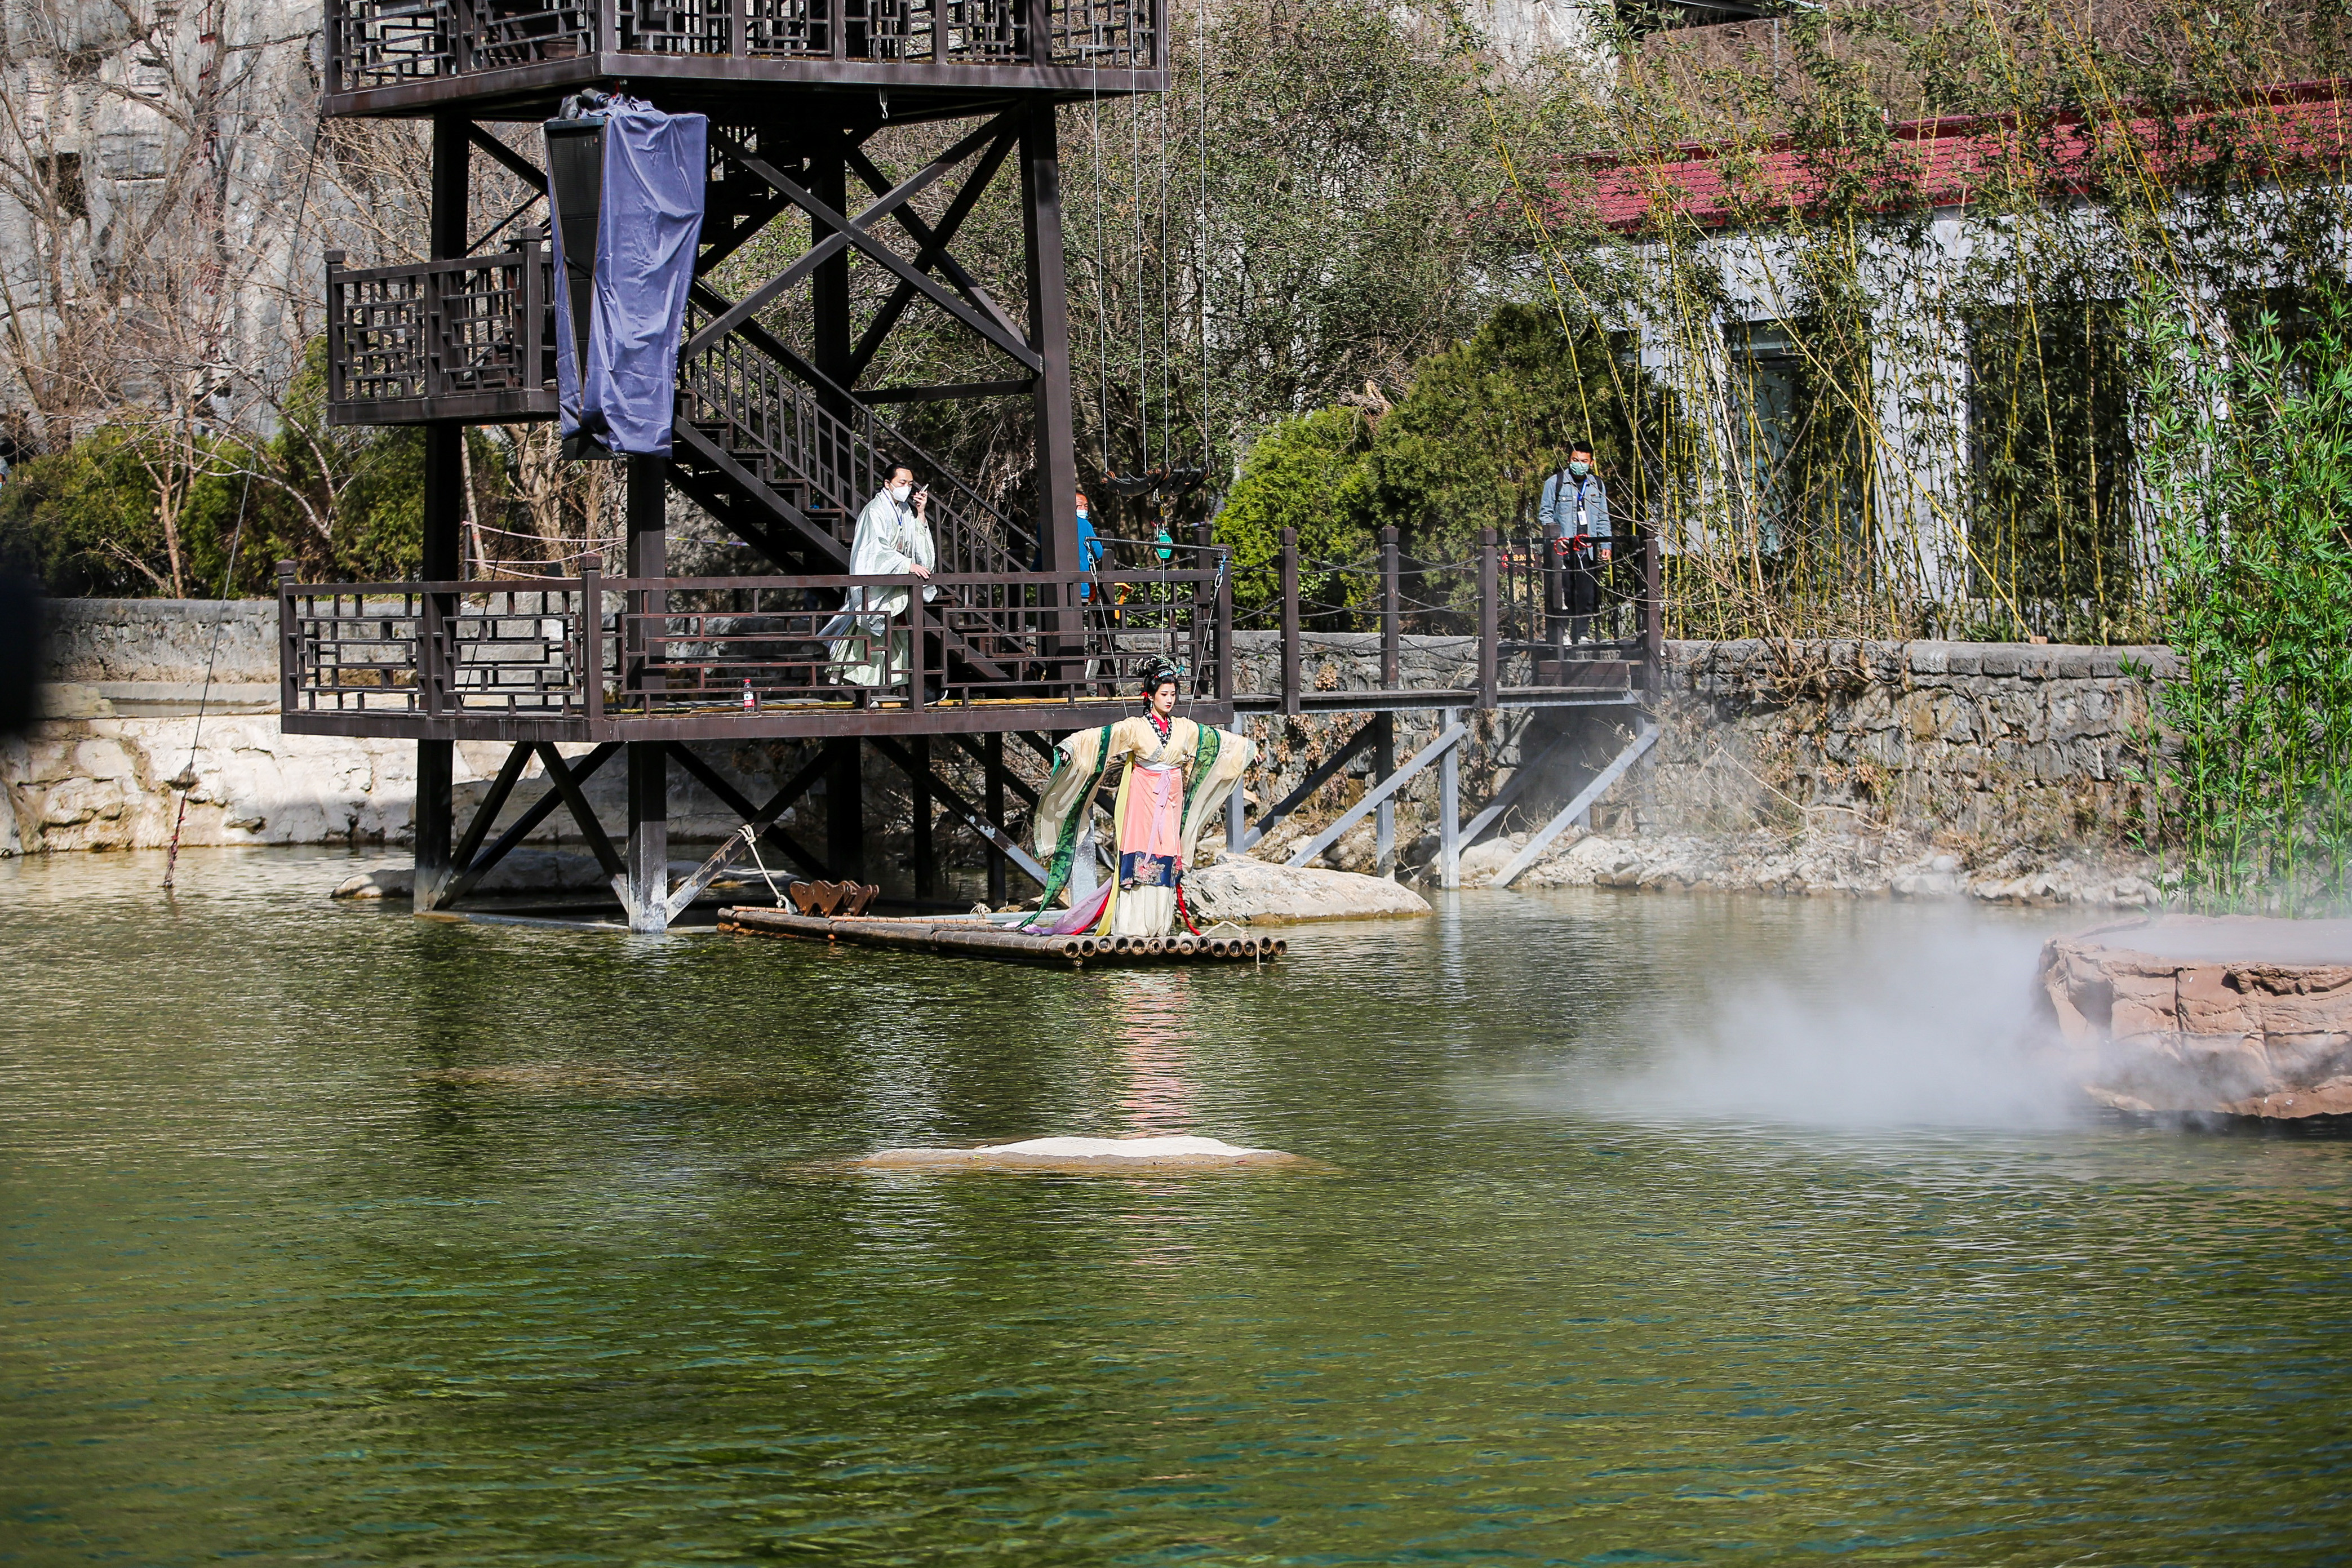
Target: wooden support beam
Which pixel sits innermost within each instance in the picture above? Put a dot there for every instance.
(992, 802)
(1384, 820)
(907, 763)
(1356, 745)
(1449, 809)
(1045, 267)
(1452, 737)
(576, 803)
(533, 814)
(436, 806)
(850, 233)
(845, 810)
(1528, 773)
(509, 774)
(1541, 840)
(648, 869)
(762, 819)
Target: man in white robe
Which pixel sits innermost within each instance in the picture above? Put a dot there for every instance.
(893, 539)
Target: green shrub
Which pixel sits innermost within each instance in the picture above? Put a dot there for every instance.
(2249, 465)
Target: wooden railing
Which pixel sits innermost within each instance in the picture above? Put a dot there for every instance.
(595, 648)
(376, 44)
(467, 339)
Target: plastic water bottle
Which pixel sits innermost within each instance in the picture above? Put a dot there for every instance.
(750, 697)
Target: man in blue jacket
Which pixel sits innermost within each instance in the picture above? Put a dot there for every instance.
(1575, 517)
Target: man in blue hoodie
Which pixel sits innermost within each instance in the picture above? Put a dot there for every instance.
(1090, 549)
(1575, 517)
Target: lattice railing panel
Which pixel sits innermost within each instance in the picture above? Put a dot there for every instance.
(503, 33)
(789, 28)
(1105, 33)
(477, 326)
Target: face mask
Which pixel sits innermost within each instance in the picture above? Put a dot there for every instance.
(1082, 514)
(1579, 469)
(900, 492)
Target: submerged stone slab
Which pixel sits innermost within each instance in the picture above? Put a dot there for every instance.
(1086, 1154)
(2233, 1016)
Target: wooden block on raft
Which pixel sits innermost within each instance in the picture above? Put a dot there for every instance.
(971, 937)
(832, 898)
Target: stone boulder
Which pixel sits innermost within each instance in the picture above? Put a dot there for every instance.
(1253, 893)
(2215, 1016)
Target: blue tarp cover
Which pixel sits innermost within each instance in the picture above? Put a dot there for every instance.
(647, 228)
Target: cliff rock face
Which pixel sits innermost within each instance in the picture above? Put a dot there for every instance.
(2232, 1015)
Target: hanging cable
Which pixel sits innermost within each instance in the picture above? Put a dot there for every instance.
(187, 780)
(1167, 450)
(1142, 330)
(1102, 308)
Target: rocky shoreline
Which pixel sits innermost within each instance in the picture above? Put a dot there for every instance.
(1888, 864)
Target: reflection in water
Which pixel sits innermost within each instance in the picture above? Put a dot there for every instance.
(1153, 1032)
(337, 1236)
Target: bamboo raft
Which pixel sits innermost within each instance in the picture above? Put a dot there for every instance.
(971, 936)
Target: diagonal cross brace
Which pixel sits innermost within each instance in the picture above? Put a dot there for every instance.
(1362, 742)
(847, 231)
(615, 870)
(934, 249)
(1455, 734)
(975, 819)
(763, 818)
(477, 867)
(1585, 796)
(1528, 772)
(754, 823)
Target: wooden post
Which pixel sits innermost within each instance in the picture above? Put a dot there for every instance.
(289, 642)
(1449, 806)
(441, 558)
(1391, 616)
(1226, 634)
(919, 748)
(915, 652)
(845, 810)
(993, 752)
(592, 639)
(1049, 324)
(648, 767)
(648, 558)
(1489, 626)
(1384, 814)
(828, 180)
(1290, 649)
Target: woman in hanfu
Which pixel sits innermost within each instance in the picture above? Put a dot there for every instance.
(893, 539)
(1175, 779)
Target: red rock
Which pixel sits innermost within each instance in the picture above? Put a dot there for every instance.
(2230, 1015)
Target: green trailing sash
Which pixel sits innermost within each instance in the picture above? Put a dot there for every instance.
(1066, 848)
(1204, 761)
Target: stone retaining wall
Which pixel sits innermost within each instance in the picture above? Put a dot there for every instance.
(1967, 744)
(1974, 741)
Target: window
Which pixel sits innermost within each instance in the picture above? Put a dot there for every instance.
(2049, 457)
(1800, 453)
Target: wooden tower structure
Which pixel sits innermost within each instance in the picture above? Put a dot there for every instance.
(782, 444)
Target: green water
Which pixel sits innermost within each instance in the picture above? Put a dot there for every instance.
(1659, 1230)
